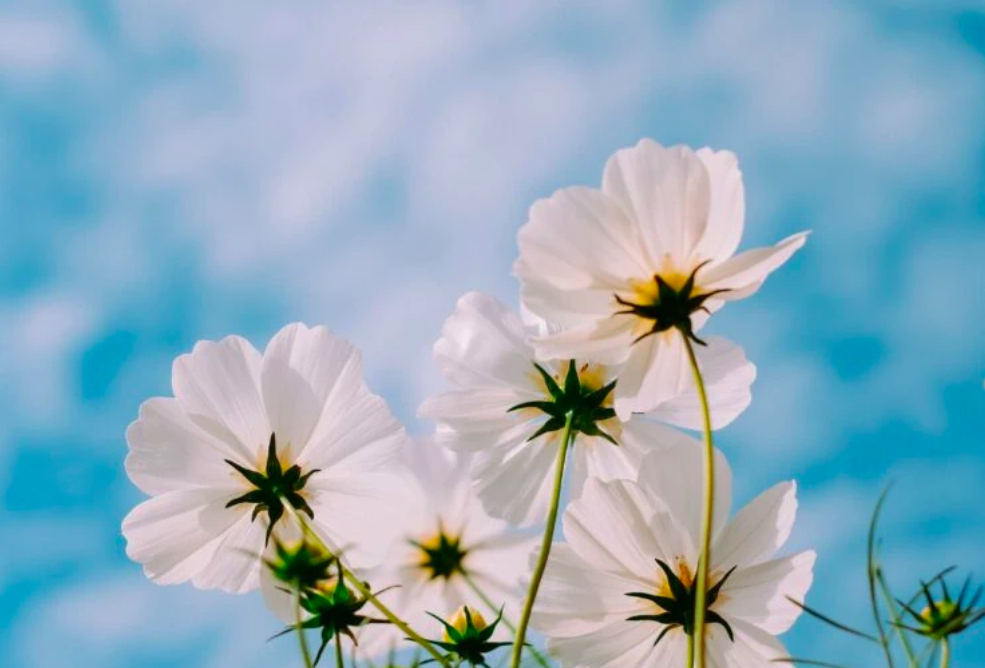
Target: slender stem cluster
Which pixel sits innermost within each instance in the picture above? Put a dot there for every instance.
(364, 591)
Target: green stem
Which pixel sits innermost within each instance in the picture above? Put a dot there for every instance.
(365, 592)
(339, 661)
(391, 617)
(302, 640)
(477, 590)
(545, 546)
(704, 556)
(945, 653)
(690, 651)
(896, 619)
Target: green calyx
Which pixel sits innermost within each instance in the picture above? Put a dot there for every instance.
(471, 644)
(672, 308)
(586, 406)
(443, 557)
(677, 610)
(333, 610)
(302, 565)
(272, 487)
(944, 615)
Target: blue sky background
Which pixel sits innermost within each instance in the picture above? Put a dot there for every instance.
(185, 170)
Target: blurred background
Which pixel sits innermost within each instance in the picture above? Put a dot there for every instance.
(185, 170)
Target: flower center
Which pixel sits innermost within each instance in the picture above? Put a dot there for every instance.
(582, 398)
(442, 556)
(667, 302)
(273, 487)
(676, 599)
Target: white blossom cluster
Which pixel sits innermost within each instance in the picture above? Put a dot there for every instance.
(574, 409)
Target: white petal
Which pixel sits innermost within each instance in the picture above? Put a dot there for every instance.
(728, 377)
(609, 527)
(607, 341)
(594, 457)
(758, 530)
(577, 249)
(235, 568)
(175, 535)
(442, 485)
(743, 274)
(480, 409)
(360, 515)
(617, 644)
(667, 192)
(356, 433)
(671, 652)
(504, 440)
(516, 485)
(218, 386)
(278, 600)
(499, 568)
(575, 595)
(753, 648)
(169, 452)
(302, 369)
(675, 478)
(760, 594)
(726, 215)
(484, 344)
(657, 371)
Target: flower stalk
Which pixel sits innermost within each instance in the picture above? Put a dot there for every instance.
(365, 592)
(302, 640)
(697, 643)
(545, 547)
(945, 653)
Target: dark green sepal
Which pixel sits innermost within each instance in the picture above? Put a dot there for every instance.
(677, 610)
(334, 612)
(445, 559)
(944, 616)
(672, 308)
(303, 565)
(472, 644)
(586, 407)
(273, 487)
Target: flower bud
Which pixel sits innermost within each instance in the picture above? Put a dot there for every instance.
(460, 621)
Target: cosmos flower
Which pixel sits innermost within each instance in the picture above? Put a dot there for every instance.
(243, 433)
(507, 405)
(628, 269)
(620, 592)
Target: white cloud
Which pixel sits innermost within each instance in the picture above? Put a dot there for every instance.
(40, 40)
(126, 620)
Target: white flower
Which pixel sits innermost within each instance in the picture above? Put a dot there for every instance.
(447, 547)
(485, 351)
(616, 533)
(652, 252)
(305, 400)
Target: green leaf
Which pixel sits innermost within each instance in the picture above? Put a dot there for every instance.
(828, 620)
(807, 662)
